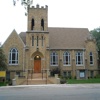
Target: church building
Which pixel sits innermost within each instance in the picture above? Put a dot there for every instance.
(72, 50)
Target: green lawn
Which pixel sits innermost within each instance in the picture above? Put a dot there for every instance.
(74, 81)
(2, 84)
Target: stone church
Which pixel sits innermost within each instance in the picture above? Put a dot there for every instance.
(72, 50)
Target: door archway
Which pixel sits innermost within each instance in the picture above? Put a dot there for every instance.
(37, 64)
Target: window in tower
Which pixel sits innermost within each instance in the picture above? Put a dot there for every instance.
(37, 41)
(32, 40)
(42, 24)
(42, 41)
(32, 24)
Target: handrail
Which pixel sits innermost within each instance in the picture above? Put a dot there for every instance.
(27, 76)
(31, 74)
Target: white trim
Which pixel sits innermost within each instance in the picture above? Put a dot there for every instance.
(14, 64)
(67, 65)
(81, 58)
(16, 57)
(53, 65)
(66, 54)
(55, 55)
(80, 65)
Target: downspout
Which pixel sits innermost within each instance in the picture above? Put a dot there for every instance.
(24, 59)
(84, 58)
(84, 63)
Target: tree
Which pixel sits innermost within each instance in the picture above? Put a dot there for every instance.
(3, 61)
(96, 35)
(25, 3)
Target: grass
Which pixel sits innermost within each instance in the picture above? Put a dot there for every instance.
(3, 84)
(92, 80)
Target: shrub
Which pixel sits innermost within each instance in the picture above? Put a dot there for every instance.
(88, 77)
(70, 77)
(9, 81)
(62, 80)
(74, 77)
(55, 71)
(97, 76)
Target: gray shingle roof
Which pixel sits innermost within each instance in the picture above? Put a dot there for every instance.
(23, 36)
(68, 38)
(64, 38)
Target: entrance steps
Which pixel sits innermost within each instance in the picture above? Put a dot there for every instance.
(36, 79)
(35, 82)
(37, 76)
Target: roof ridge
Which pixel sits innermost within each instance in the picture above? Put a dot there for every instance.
(67, 28)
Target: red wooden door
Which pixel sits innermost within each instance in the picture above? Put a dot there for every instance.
(37, 66)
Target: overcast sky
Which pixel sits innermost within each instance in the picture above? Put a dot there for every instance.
(61, 13)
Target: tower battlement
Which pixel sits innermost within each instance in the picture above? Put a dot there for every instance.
(38, 18)
(39, 7)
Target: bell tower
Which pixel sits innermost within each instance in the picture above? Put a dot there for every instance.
(37, 36)
(37, 18)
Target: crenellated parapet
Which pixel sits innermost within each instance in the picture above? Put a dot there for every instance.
(39, 7)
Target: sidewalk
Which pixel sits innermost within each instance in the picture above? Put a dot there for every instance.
(54, 85)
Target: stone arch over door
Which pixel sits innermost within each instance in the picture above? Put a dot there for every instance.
(37, 63)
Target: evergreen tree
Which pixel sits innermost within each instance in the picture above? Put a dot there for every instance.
(3, 61)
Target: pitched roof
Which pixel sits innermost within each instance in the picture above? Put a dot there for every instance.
(64, 38)
(68, 38)
(12, 37)
(23, 36)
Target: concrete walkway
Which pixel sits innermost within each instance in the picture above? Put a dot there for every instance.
(55, 85)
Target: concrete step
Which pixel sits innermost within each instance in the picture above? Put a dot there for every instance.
(37, 75)
(36, 78)
(35, 82)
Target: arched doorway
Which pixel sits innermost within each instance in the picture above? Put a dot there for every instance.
(37, 64)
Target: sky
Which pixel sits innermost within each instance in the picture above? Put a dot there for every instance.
(61, 13)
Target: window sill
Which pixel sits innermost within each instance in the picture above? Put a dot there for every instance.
(91, 64)
(53, 65)
(13, 64)
(67, 65)
(79, 65)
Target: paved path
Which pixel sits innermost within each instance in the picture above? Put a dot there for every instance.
(51, 92)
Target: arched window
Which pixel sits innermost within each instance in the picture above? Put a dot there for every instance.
(79, 58)
(54, 58)
(13, 56)
(91, 58)
(32, 24)
(66, 58)
(42, 24)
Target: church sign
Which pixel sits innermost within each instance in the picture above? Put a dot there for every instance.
(2, 73)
